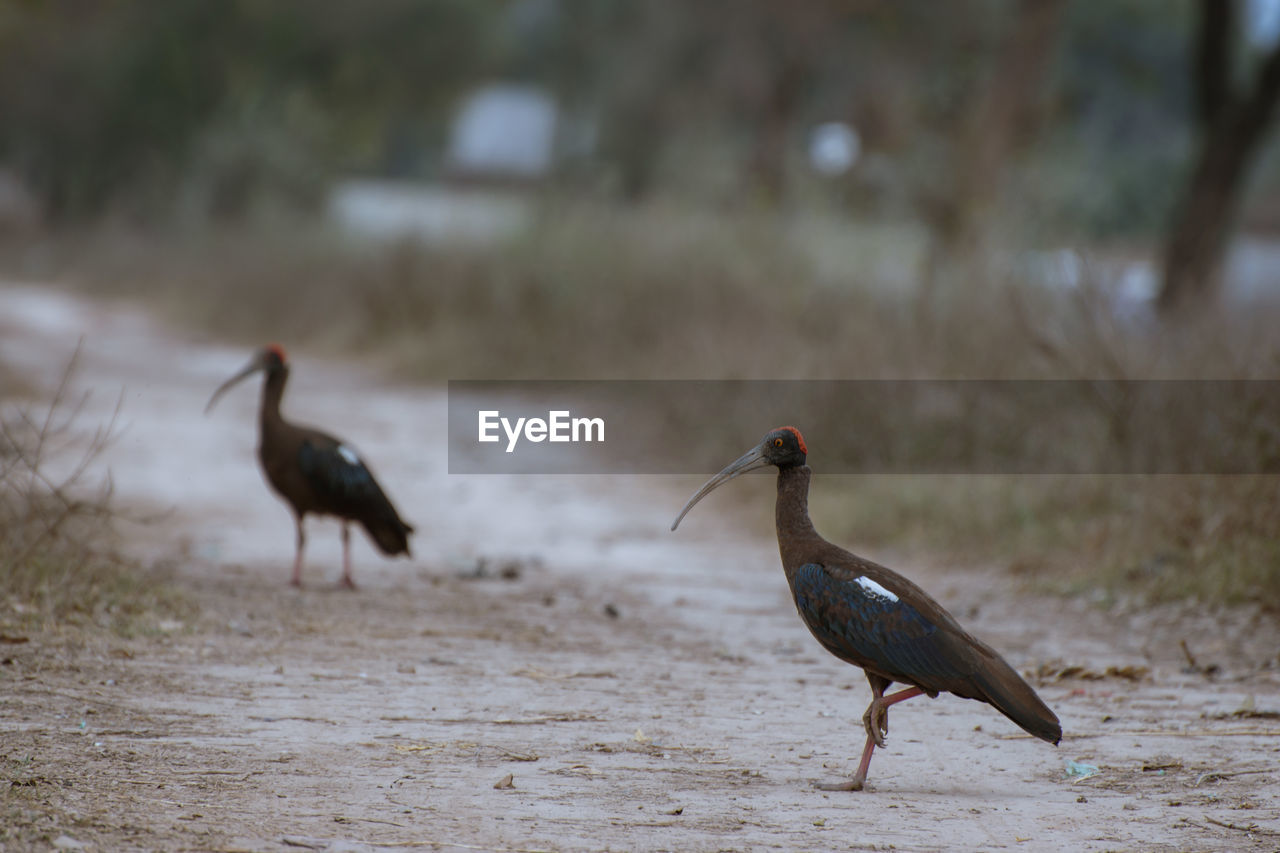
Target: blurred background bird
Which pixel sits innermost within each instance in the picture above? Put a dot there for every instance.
(315, 472)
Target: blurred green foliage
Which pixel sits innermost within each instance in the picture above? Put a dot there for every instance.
(149, 105)
(1122, 130)
(130, 99)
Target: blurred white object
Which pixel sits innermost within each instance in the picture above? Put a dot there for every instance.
(505, 130)
(834, 148)
(1262, 23)
(393, 210)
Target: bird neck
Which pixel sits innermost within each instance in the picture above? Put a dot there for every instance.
(272, 393)
(796, 535)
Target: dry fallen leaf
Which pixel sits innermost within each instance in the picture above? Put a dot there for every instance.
(415, 747)
(508, 781)
(1061, 672)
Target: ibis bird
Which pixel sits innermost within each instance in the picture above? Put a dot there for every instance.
(874, 618)
(316, 473)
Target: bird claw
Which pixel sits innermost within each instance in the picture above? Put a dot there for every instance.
(876, 722)
(854, 784)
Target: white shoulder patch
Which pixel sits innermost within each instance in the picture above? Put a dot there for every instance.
(874, 588)
(348, 455)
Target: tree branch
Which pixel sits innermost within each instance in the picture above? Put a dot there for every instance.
(1215, 33)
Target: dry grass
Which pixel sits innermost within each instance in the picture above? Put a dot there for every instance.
(667, 293)
(57, 527)
(650, 293)
(1157, 538)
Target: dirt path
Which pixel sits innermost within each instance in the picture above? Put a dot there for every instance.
(643, 690)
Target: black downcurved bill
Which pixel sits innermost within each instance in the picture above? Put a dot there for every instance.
(750, 461)
(248, 370)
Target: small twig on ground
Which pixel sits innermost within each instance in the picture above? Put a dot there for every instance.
(1193, 665)
(1252, 828)
(1215, 775)
(264, 719)
(321, 844)
(345, 819)
(517, 756)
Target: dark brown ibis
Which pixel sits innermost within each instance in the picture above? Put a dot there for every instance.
(315, 472)
(874, 618)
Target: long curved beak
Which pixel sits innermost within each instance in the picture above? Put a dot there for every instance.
(749, 461)
(248, 370)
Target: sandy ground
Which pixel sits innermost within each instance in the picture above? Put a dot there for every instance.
(637, 689)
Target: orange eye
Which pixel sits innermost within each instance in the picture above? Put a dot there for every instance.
(777, 442)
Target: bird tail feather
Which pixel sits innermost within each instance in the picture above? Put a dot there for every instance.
(390, 534)
(1009, 694)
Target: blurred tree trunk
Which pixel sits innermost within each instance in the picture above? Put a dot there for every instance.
(767, 165)
(785, 43)
(634, 137)
(1001, 115)
(1214, 38)
(1232, 127)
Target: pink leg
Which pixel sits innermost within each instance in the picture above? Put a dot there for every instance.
(347, 582)
(297, 559)
(876, 721)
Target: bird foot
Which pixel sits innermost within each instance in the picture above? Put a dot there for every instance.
(296, 583)
(347, 584)
(854, 784)
(876, 722)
